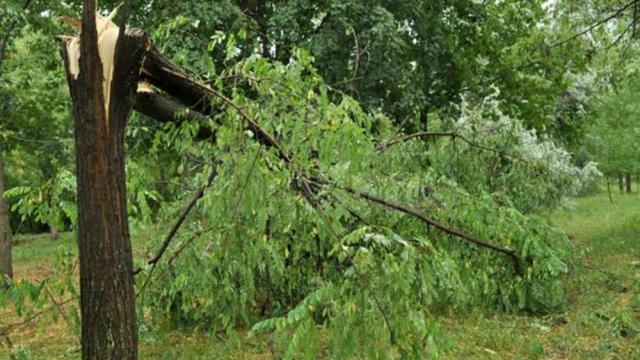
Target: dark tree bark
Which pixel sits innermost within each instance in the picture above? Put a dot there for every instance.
(162, 73)
(109, 329)
(6, 236)
(628, 182)
(621, 183)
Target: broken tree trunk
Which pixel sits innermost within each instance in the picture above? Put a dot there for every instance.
(103, 67)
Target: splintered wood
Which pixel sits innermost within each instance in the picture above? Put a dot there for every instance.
(108, 33)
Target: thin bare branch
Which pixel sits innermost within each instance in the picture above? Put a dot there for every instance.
(453, 135)
(599, 23)
(186, 243)
(454, 232)
(176, 226)
(9, 326)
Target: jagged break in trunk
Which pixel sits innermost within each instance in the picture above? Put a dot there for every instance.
(109, 329)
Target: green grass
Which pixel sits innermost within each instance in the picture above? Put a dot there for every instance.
(600, 321)
(601, 318)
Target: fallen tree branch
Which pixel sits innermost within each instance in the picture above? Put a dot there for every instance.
(162, 73)
(453, 135)
(265, 138)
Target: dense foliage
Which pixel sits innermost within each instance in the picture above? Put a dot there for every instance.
(266, 251)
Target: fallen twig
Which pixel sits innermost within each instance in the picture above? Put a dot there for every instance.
(8, 326)
(186, 243)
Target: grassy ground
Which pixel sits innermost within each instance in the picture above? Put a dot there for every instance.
(600, 321)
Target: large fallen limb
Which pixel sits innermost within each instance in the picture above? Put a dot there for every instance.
(198, 97)
(168, 110)
(199, 91)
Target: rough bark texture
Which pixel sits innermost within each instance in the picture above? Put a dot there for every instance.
(109, 329)
(6, 237)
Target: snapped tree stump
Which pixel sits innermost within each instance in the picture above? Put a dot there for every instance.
(103, 66)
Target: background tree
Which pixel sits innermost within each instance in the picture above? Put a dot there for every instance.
(613, 137)
(10, 14)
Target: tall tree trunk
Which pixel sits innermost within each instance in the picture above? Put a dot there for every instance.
(621, 183)
(628, 182)
(609, 189)
(54, 232)
(6, 236)
(109, 329)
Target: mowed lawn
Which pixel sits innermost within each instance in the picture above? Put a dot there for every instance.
(601, 320)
